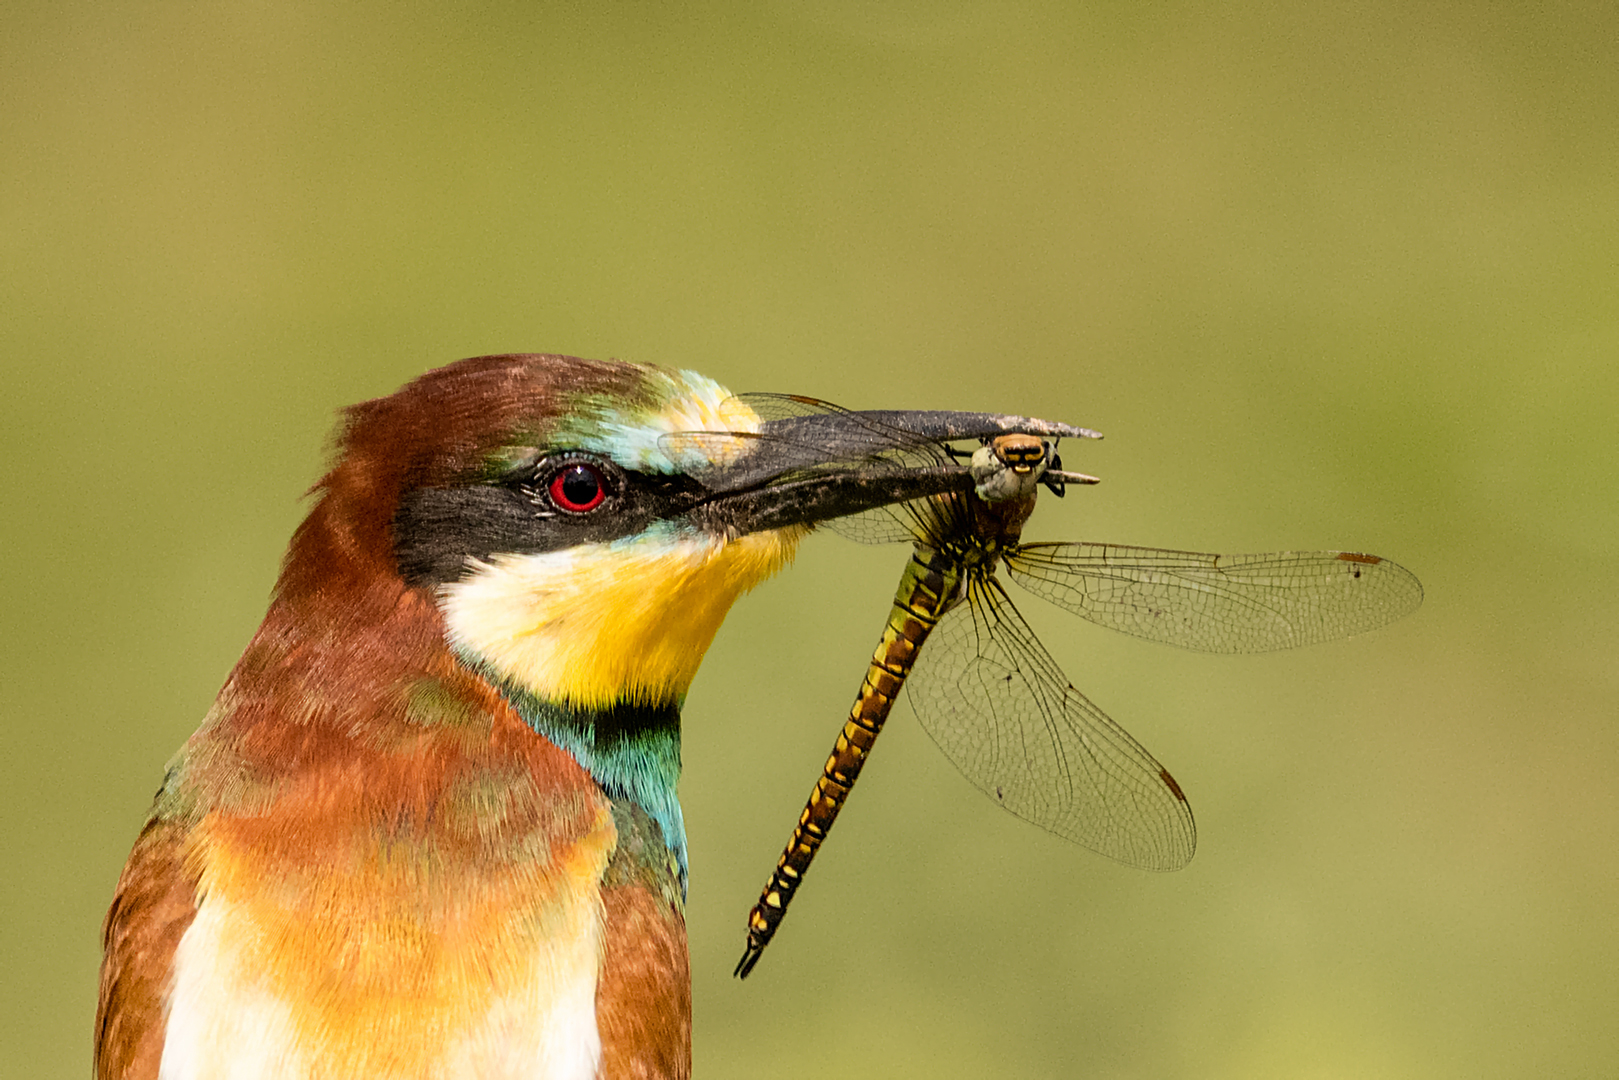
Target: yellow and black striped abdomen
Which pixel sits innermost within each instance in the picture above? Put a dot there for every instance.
(925, 591)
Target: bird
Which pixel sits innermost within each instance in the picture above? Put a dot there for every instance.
(429, 827)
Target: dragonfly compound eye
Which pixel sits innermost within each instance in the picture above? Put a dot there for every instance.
(1018, 451)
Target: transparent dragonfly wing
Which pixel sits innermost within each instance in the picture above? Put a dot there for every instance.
(797, 437)
(1220, 603)
(808, 418)
(938, 521)
(1001, 709)
(883, 525)
(801, 436)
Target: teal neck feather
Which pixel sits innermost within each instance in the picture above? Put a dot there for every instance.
(632, 751)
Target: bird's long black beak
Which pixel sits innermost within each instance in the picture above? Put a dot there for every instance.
(828, 495)
(802, 470)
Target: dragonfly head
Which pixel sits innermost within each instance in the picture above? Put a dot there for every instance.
(1009, 467)
(1014, 465)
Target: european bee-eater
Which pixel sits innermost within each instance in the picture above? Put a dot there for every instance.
(429, 828)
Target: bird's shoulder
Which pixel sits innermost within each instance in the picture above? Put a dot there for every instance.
(154, 905)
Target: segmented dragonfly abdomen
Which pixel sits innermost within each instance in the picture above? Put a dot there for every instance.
(925, 590)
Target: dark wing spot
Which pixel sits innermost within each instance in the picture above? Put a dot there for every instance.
(1169, 781)
(1350, 556)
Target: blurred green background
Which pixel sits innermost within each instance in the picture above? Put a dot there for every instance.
(1326, 275)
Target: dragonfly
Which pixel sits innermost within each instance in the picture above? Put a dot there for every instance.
(992, 697)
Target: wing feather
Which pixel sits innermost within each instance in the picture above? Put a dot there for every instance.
(154, 905)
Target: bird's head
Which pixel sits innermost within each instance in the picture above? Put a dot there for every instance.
(578, 545)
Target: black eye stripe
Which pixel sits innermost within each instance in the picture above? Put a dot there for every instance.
(437, 530)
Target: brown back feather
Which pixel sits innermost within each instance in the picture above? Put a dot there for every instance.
(643, 998)
(152, 908)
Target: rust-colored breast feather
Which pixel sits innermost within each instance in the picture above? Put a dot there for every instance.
(154, 905)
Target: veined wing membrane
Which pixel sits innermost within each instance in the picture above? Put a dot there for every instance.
(797, 437)
(877, 441)
(801, 433)
(801, 436)
(999, 707)
(1219, 603)
(934, 517)
(881, 525)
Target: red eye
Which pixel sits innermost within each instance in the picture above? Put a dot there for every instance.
(578, 488)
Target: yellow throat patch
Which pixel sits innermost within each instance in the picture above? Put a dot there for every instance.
(626, 620)
(623, 621)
